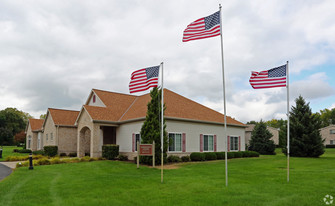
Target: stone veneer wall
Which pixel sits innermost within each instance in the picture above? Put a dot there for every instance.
(67, 139)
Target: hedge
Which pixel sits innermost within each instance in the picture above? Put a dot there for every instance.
(50, 151)
(198, 156)
(110, 151)
(173, 158)
(330, 146)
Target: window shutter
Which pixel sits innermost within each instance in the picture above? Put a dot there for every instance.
(214, 143)
(133, 142)
(184, 142)
(239, 143)
(228, 140)
(201, 143)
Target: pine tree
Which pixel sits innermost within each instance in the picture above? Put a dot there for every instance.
(260, 140)
(151, 128)
(305, 138)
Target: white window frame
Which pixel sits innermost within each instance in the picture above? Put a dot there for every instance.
(231, 142)
(175, 142)
(51, 137)
(139, 139)
(203, 145)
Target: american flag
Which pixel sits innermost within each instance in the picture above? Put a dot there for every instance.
(275, 77)
(202, 28)
(144, 79)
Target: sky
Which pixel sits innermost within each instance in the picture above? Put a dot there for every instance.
(52, 53)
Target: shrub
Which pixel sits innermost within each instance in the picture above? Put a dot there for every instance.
(62, 154)
(23, 150)
(253, 154)
(210, 156)
(22, 164)
(238, 154)
(15, 150)
(220, 155)
(110, 151)
(38, 152)
(73, 154)
(185, 158)
(330, 146)
(55, 160)
(51, 150)
(230, 155)
(85, 159)
(43, 161)
(38, 156)
(197, 156)
(123, 157)
(173, 158)
(87, 154)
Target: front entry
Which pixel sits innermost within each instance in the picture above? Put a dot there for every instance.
(109, 135)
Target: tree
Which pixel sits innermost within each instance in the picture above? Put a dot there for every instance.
(151, 128)
(282, 125)
(12, 121)
(20, 137)
(260, 140)
(43, 116)
(305, 138)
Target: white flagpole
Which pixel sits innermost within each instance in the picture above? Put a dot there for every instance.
(224, 100)
(288, 123)
(162, 128)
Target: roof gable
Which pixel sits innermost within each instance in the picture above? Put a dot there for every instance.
(63, 117)
(36, 124)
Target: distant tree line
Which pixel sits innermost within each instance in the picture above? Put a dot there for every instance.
(12, 124)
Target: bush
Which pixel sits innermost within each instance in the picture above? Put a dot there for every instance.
(253, 154)
(110, 151)
(220, 155)
(197, 156)
(23, 150)
(238, 154)
(73, 154)
(51, 150)
(330, 146)
(43, 161)
(22, 164)
(185, 158)
(38, 152)
(55, 160)
(173, 158)
(85, 159)
(230, 155)
(62, 154)
(123, 157)
(210, 156)
(87, 154)
(15, 150)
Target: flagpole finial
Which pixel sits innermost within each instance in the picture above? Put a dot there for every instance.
(220, 6)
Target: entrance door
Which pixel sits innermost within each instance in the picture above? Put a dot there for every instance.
(109, 134)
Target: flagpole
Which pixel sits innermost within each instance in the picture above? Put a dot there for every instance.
(288, 123)
(162, 128)
(224, 100)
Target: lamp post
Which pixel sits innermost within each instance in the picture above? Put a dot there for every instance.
(31, 161)
(1, 152)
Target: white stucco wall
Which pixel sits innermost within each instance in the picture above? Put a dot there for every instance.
(124, 135)
(97, 103)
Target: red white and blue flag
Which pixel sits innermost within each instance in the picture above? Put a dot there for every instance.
(275, 77)
(202, 28)
(144, 79)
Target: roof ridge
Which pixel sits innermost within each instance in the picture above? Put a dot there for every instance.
(128, 109)
(70, 110)
(114, 92)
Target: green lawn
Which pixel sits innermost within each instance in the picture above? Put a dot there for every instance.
(8, 151)
(252, 181)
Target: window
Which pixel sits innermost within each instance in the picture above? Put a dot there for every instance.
(29, 141)
(93, 98)
(332, 131)
(175, 142)
(234, 143)
(332, 141)
(46, 137)
(51, 137)
(137, 139)
(208, 143)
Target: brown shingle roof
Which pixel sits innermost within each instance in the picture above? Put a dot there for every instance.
(63, 117)
(36, 124)
(123, 107)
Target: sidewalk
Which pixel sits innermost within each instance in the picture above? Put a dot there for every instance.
(4, 171)
(11, 165)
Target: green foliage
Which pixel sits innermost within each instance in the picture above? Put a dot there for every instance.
(23, 151)
(50, 150)
(73, 154)
(305, 138)
(185, 158)
(326, 117)
(238, 154)
(260, 140)
(220, 155)
(151, 129)
(230, 155)
(38, 152)
(197, 156)
(12, 121)
(43, 161)
(330, 146)
(210, 156)
(110, 151)
(123, 157)
(62, 154)
(173, 158)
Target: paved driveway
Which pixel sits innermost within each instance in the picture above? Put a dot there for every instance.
(4, 171)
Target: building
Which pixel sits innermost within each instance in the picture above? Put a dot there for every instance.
(272, 130)
(328, 134)
(115, 118)
(34, 134)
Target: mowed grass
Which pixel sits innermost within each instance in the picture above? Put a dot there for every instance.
(252, 181)
(8, 151)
